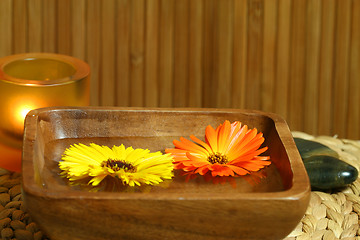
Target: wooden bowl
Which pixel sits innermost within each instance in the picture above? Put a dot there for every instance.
(197, 209)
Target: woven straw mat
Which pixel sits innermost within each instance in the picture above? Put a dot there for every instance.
(333, 214)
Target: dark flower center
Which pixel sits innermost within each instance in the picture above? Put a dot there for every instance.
(116, 165)
(217, 158)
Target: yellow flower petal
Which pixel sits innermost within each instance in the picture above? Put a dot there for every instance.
(130, 166)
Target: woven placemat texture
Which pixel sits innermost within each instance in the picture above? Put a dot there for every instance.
(15, 222)
(333, 214)
(330, 215)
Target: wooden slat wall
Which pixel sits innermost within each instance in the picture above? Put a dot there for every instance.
(297, 58)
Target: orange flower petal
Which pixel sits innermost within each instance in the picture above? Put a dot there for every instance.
(241, 147)
(224, 133)
(202, 170)
(238, 170)
(187, 145)
(236, 137)
(178, 165)
(178, 158)
(249, 156)
(188, 168)
(192, 163)
(203, 144)
(197, 164)
(234, 144)
(235, 126)
(174, 150)
(238, 143)
(251, 166)
(197, 158)
(254, 144)
(221, 170)
(262, 158)
(250, 134)
(195, 146)
(211, 138)
(250, 147)
(228, 171)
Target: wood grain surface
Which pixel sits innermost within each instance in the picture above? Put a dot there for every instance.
(299, 59)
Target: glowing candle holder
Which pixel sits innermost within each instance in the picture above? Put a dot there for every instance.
(34, 80)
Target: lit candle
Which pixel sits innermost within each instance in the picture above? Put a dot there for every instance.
(34, 80)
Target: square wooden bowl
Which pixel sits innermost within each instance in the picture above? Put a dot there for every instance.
(197, 209)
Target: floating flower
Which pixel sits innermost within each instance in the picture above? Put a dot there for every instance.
(131, 166)
(229, 150)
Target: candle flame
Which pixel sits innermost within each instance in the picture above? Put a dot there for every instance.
(17, 108)
(22, 111)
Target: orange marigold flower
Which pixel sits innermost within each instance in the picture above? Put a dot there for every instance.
(229, 150)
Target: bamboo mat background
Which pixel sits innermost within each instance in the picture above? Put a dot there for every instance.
(297, 58)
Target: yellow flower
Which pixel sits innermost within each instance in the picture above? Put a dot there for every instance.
(131, 166)
(229, 150)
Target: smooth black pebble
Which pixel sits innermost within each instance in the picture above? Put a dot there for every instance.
(323, 166)
(327, 172)
(308, 148)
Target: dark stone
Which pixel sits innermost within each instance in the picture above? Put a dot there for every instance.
(327, 172)
(308, 148)
(323, 166)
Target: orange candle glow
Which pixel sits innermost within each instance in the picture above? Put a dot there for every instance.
(17, 108)
(35, 80)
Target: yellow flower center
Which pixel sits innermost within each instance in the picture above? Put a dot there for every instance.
(116, 165)
(217, 158)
